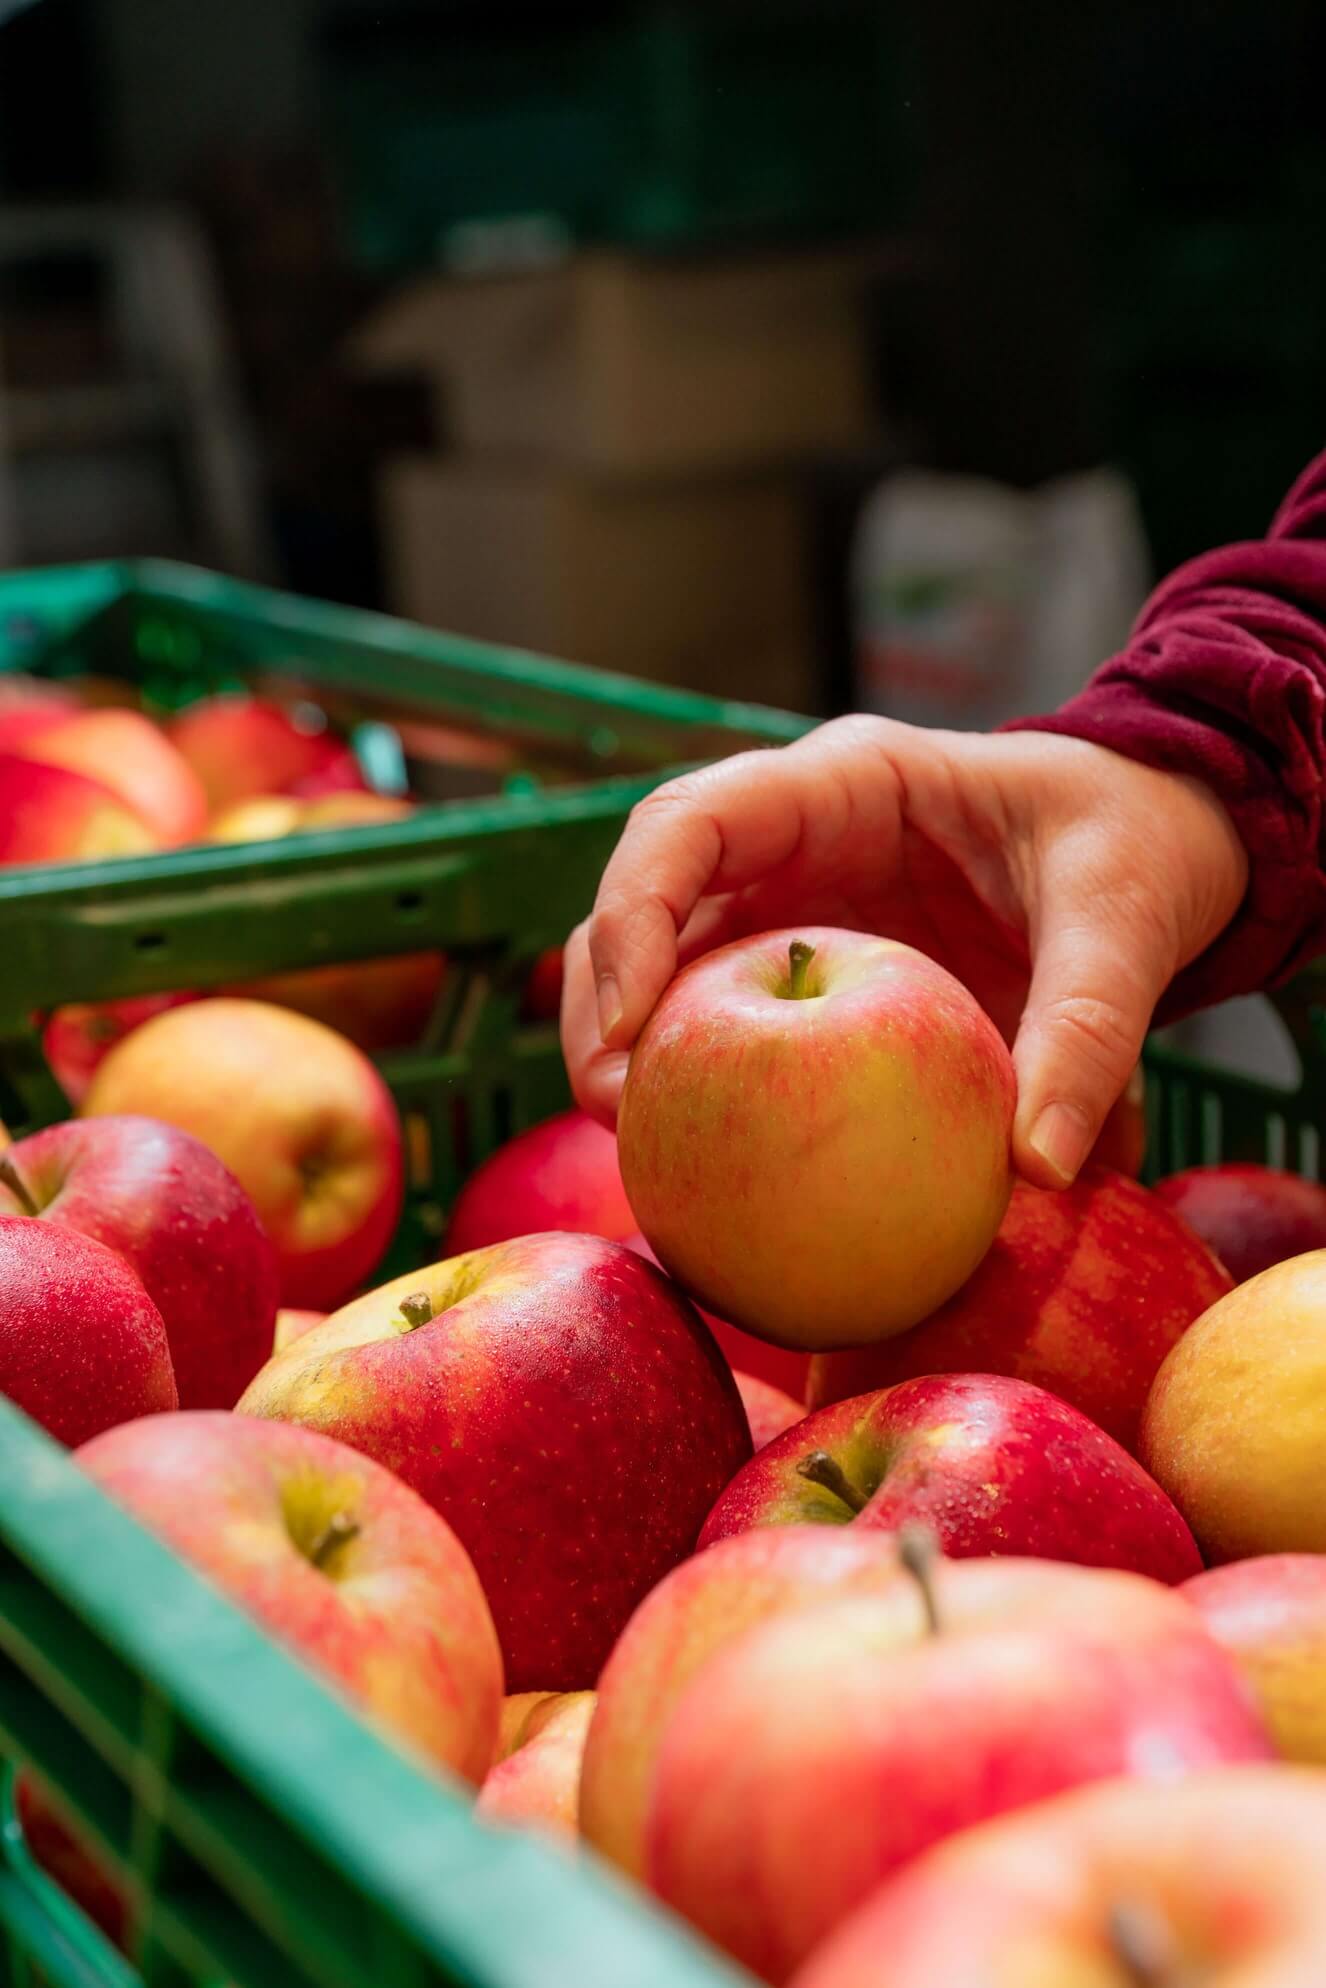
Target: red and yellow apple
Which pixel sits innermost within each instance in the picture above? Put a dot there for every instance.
(240, 745)
(79, 1037)
(814, 1135)
(300, 1117)
(291, 1325)
(535, 1782)
(562, 1174)
(1084, 1292)
(1250, 1216)
(50, 815)
(768, 1410)
(1270, 1615)
(559, 1402)
(989, 1464)
(782, 1367)
(133, 758)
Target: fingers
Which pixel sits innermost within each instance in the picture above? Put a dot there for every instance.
(596, 1073)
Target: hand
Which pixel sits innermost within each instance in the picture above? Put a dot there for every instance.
(1062, 884)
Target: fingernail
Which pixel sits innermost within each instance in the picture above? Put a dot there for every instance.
(1062, 1138)
(610, 1008)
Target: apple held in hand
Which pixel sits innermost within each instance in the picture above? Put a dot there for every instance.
(332, 1555)
(535, 1782)
(1252, 1217)
(82, 1346)
(559, 1402)
(821, 1752)
(1214, 1882)
(300, 1117)
(814, 1135)
(990, 1464)
(174, 1213)
(1084, 1292)
(562, 1174)
(1270, 1615)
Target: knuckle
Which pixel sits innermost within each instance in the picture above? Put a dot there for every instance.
(1100, 1028)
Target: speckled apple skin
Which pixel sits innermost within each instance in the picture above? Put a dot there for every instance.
(822, 1171)
(565, 1410)
(1083, 1292)
(400, 1623)
(185, 1224)
(1269, 1613)
(1251, 1216)
(784, 1367)
(82, 1346)
(989, 1464)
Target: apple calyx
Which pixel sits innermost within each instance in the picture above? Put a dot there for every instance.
(799, 956)
(918, 1555)
(1142, 1941)
(818, 1467)
(339, 1530)
(10, 1178)
(416, 1310)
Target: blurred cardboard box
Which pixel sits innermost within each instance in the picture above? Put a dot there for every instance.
(633, 367)
(705, 585)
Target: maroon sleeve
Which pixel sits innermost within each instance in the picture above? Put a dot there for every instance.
(1225, 679)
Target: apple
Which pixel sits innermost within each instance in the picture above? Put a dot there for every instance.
(185, 1224)
(128, 754)
(1121, 1143)
(814, 1135)
(1250, 1216)
(1270, 1615)
(559, 1402)
(332, 1555)
(768, 1410)
(50, 815)
(535, 1782)
(1215, 1881)
(82, 1346)
(300, 1117)
(240, 745)
(1235, 1425)
(699, 1608)
(57, 1845)
(562, 1174)
(543, 989)
(782, 1367)
(78, 1037)
(822, 1751)
(1084, 1292)
(292, 1325)
(990, 1464)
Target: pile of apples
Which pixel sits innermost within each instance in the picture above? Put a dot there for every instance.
(909, 1576)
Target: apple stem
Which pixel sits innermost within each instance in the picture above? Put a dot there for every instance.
(1143, 1944)
(821, 1469)
(9, 1177)
(799, 956)
(417, 1309)
(919, 1555)
(338, 1531)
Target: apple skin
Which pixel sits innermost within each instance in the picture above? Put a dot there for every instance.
(1235, 1424)
(1121, 1145)
(185, 1224)
(543, 990)
(561, 1174)
(989, 1464)
(79, 1037)
(1250, 1216)
(698, 1609)
(782, 1367)
(297, 1113)
(395, 1614)
(292, 1325)
(535, 1784)
(131, 757)
(564, 1408)
(768, 1410)
(240, 746)
(50, 815)
(1269, 1614)
(82, 1346)
(1084, 1292)
(822, 1171)
(1228, 1864)
(846, 1727)
(57, 1846)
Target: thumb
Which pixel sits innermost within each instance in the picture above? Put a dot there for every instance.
(1098, 971)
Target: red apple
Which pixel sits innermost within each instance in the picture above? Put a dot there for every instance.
(335, 1557)
(782, 1367)
(562, 1174)
(543, 989)
(185, 1224)
(78, 1038)
(240, 745)
(990, 1464)
(1084, 1293)
(1270, 1615)
(128, 754)
(535, 1783)
(559, 1402)
(57, 1845)
(700, 1607)
(1250, 1216)
(824, 1750)
(300, 1117)
(1217, 1881)
(50, 815)
(1121, 1145)
(768, 1410)
(814, 1135)
(82, 1346)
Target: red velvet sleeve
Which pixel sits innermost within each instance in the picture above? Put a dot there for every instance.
(1225, 679)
